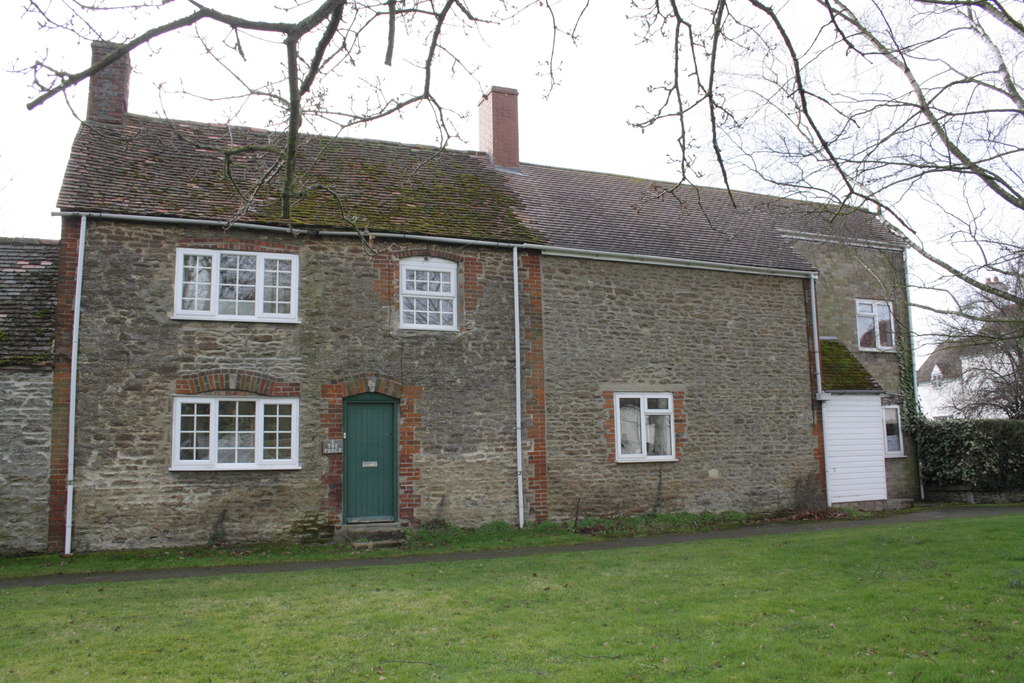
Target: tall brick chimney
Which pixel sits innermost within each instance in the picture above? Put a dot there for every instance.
(108, 90)
(499, 126)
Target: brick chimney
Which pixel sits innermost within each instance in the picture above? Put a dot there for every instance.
(108, 89)
(994, 282)
(499, 126)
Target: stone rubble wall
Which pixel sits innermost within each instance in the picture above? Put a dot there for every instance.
(849, 273)
(133, 352)
(733, 349)
(25, 400)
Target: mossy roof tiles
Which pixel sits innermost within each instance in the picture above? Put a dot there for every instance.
(28, 295)
(841, 371)
(156, 167)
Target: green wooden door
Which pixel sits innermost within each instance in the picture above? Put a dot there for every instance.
(370, 474)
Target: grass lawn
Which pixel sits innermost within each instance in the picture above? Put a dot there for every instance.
(935, 601)
(425, 541)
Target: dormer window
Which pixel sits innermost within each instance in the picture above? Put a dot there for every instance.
(936, 374)
(429, 290)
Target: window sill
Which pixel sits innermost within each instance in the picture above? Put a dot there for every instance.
(656, 458)
(236, 468)
(859, 348)
(228, 319)
(426, 328)
(894, 456)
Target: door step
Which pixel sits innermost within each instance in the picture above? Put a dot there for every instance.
(370, 536)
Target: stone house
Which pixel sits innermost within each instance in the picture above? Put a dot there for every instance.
(446, 335)
(28, 294)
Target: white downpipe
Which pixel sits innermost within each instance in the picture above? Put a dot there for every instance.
(814, 332)
(519, 390)
(73, 389)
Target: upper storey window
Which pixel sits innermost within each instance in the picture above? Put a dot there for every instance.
(236, 285)
(875, 326)
(429, 291)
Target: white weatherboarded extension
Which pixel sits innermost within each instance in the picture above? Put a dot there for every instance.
(854, 448)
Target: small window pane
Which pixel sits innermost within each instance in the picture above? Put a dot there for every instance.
(659, 435)
(657, 404)
(236, 429)
(197, 273)
(866, 332)
(194, 428)
(629, 426)
(885, 330)
(893, 438)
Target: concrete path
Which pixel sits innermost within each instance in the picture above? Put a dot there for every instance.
(926, 513)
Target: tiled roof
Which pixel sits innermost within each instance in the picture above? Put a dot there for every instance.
(155, 167)
(617, 214)
(841, 371)
(28, 295)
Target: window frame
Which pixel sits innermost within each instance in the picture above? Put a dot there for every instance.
(644, 412)
(211, 464)
(875, 304)
(899, 431)
(428, 263)
(180, 312)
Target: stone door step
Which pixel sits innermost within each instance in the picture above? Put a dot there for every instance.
(370, 536)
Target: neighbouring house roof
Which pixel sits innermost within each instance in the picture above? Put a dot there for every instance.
(947, 358)
(949, 355)
(28, 297)
(156, 167)
(841, 371)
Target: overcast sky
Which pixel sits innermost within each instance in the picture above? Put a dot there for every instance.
(582, 124)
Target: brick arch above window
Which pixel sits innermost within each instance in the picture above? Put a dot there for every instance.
(231, 381)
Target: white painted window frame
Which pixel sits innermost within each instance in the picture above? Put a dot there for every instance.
(899, 430)
(259, 316)
(875, 304)
(435, 264)
(211, 464)
(644, 412)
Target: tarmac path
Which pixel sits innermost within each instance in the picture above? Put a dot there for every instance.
(926, 513)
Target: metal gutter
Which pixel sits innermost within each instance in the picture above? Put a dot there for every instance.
(667, 261)
(290, 231)
(569, 252)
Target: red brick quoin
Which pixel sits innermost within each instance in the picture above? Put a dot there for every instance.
(63, 327)
(409, 420)
(534, 397)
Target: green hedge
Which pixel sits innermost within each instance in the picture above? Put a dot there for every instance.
(987, 455)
